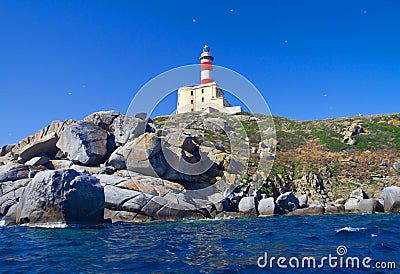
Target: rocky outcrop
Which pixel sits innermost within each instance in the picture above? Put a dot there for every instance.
(10, 194)
(64, 196)
(84, 143)
(143, 166)
(155, 207)
(391, 198)
(355, 198)
(353, 130)
(6, 149)
(141, 155)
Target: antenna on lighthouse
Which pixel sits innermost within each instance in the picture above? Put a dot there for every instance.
(206, 60)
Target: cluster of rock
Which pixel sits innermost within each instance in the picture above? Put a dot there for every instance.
(354, 129)
(288, 203)
(113, 167)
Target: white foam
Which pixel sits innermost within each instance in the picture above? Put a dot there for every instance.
(350, 229)
(48, 225)
(374, 235)
(2, 223)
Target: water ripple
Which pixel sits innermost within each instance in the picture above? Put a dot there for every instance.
(218, 246)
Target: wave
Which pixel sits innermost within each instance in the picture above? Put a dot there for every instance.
(350, 229)
(372, 232)
(2, 223)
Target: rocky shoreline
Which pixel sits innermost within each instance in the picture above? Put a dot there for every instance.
(110, 167)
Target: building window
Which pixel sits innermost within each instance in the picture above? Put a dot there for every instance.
(191, 101)
(202, 90)
(191, 92)
(202, 99)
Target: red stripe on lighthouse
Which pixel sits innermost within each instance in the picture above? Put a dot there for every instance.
(206, 66)
(206, 81)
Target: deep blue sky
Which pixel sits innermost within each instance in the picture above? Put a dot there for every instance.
(310, 59)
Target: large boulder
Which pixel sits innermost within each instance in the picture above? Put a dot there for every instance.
(13, 172)
(287, 202)
(103, 119)
(266, 207)
(370, 206)
(355, 197)
(126, 128)
(65, 196)
(84, 143)
(354, 130)
(142, 155)
(44, 146)
(116, 197)
(248, 205)
(391, 198)
(46, 136)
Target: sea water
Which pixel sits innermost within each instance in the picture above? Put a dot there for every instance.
(207, 246)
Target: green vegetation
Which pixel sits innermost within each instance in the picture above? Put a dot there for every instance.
(160, 120)
(252, 132)
(380, 133)
(335, 168)
(298, 170)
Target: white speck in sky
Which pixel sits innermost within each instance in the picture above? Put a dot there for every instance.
(194, 20)
(325, 95)
(231, 10)
(365, 11)
(285, 41)
(69, 93)
(83, 86)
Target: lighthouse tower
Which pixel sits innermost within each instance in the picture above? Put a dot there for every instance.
(206, 60)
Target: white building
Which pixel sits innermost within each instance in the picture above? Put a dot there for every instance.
(207, 96)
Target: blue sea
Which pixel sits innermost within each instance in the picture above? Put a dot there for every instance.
(208, 246)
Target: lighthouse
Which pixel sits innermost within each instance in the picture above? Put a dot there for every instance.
(206, 60)
(206, 97)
